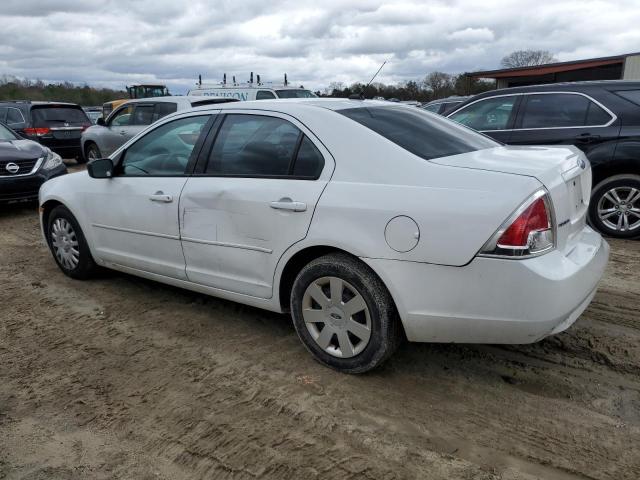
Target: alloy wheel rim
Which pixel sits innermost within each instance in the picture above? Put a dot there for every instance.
(65, 243)
(619, 209)
(337, 317)
(93, 155)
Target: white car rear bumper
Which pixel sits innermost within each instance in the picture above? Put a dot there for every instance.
(494, 300)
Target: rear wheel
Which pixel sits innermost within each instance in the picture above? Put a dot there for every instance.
(92, 152)
(615, 206)
(68, 245)
(344, 314)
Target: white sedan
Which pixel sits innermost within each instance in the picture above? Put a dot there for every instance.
(368, 221)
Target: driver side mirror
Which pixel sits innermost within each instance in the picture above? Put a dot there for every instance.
(100, 168)
(101, 122)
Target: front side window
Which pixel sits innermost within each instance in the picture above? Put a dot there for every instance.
(142, 115)
(435, 107)
(425, 135)
(253, 145)
(561, 110)
(264, 95)
(166, 150)
(14, 116)
(122, 117)
(487, 114)
(6, 134)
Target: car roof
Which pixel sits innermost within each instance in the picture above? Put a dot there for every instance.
(40, 102)
(292, 105)
(565, 86)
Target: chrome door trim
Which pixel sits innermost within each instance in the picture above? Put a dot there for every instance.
(138, 232)
(227, 244)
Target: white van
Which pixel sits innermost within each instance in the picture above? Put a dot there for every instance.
(251, 91)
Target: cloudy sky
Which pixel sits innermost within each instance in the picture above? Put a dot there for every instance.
(118, 42)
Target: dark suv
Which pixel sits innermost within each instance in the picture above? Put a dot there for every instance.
(53, 124)
(600, 118)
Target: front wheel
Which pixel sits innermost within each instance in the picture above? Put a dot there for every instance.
(614, 209)
(68, 245)
(344, 314)
(92, 152)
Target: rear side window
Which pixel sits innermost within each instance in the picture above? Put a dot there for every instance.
(632, 95)
(253, 145)
(309, 162)
(143, 115)
(422, 134)
(163, 109)
(264, 95)
(561, 110)
(52, 116)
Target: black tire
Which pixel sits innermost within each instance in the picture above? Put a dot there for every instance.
(91, 152)
(623, 183)
(85, 266)
(385, 328)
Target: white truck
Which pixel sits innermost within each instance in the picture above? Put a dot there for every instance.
(251, 90)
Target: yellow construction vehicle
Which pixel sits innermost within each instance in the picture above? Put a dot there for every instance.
(135, 91)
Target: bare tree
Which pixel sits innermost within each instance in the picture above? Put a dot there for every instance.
(439, 83)
(527, 58)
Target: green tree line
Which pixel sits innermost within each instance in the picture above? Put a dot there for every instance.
(434, 86)
(12, 88)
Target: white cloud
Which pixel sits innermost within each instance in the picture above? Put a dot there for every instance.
(116, 42)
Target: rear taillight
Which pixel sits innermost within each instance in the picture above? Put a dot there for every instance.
(529, 231)
(39, 132)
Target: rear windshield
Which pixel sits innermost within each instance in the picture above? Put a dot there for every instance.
(295, 94)
(423, 134)
(51, 116)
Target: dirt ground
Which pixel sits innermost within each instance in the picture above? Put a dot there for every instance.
(123, 378)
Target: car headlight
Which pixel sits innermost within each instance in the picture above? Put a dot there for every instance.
(51, 160)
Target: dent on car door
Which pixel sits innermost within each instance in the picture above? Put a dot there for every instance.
(252, 197)
(567, 119)
(134, 215)
(493, 116)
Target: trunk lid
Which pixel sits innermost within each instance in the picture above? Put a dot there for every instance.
(564, 171)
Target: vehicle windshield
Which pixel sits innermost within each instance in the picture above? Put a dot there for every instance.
(421, 133)
(295, 93)
(6, 134)
(54, 116)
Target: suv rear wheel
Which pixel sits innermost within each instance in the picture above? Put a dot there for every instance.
(615, 206)
(344, 314)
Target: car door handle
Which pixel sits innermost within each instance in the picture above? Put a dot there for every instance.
(587, 138)
(286, 203)
(123, 132)
(161, 197)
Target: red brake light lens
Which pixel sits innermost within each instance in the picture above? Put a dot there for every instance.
(535, 218)
(39, 132)
(529, 231)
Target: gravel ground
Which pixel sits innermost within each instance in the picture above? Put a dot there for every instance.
(120, 377)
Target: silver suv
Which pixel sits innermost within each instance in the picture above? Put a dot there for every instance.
(130, 118)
